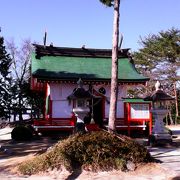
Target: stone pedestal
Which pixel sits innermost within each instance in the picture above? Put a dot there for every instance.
(159, 133)
(80, 113)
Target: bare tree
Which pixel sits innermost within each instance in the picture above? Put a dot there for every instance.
(20, 73)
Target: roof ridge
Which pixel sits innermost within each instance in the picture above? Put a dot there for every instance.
(76, 52)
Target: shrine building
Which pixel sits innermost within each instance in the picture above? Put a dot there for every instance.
(56, 70)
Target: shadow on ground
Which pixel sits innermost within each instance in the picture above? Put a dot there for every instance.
(22, 148)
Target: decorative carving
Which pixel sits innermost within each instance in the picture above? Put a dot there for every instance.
(102, 90)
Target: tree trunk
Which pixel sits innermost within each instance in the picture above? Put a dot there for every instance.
(170, 117)
(20, 116)
(114, 70)
(166, 119)
(20, 107)
(176, 102)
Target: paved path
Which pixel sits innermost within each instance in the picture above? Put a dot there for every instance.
(5, 133)
(169, 155)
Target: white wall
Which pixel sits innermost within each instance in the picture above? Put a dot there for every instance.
(120, 109)
(120, 105)
(55, 91)
(61, 108)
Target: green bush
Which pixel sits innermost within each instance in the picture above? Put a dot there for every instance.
(91, 151)
(21, 133)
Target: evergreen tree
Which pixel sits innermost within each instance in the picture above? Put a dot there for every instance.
(5, 81)
(159, 59)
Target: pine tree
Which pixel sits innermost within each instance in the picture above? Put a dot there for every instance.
(114, 69)
(5, 80)
(159, 59)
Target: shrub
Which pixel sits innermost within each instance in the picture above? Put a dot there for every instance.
(21, 133)
(92, 151)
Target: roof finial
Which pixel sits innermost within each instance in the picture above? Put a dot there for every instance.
(44, 39)
(83, 46)
(80, 83)
(158, 85)
(121, 40)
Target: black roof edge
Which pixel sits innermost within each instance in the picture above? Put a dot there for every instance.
(91, 80)
(42, 50)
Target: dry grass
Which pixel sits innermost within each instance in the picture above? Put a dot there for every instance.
(91, 151)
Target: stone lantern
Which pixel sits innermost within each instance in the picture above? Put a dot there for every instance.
(81, 109)
(159, 110)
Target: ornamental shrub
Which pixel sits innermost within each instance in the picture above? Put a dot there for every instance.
(21, 133)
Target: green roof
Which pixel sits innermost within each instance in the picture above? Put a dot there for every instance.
(87, 68)
(135, 100)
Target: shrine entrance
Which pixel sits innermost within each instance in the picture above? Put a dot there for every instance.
(97, 111)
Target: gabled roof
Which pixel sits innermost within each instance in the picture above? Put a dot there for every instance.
(159, 95)
(75, 52)
(52, 63)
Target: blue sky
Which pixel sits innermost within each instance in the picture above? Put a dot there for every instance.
(75, 23)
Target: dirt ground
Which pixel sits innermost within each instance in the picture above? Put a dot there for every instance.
(151, 171)
(20, 151)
